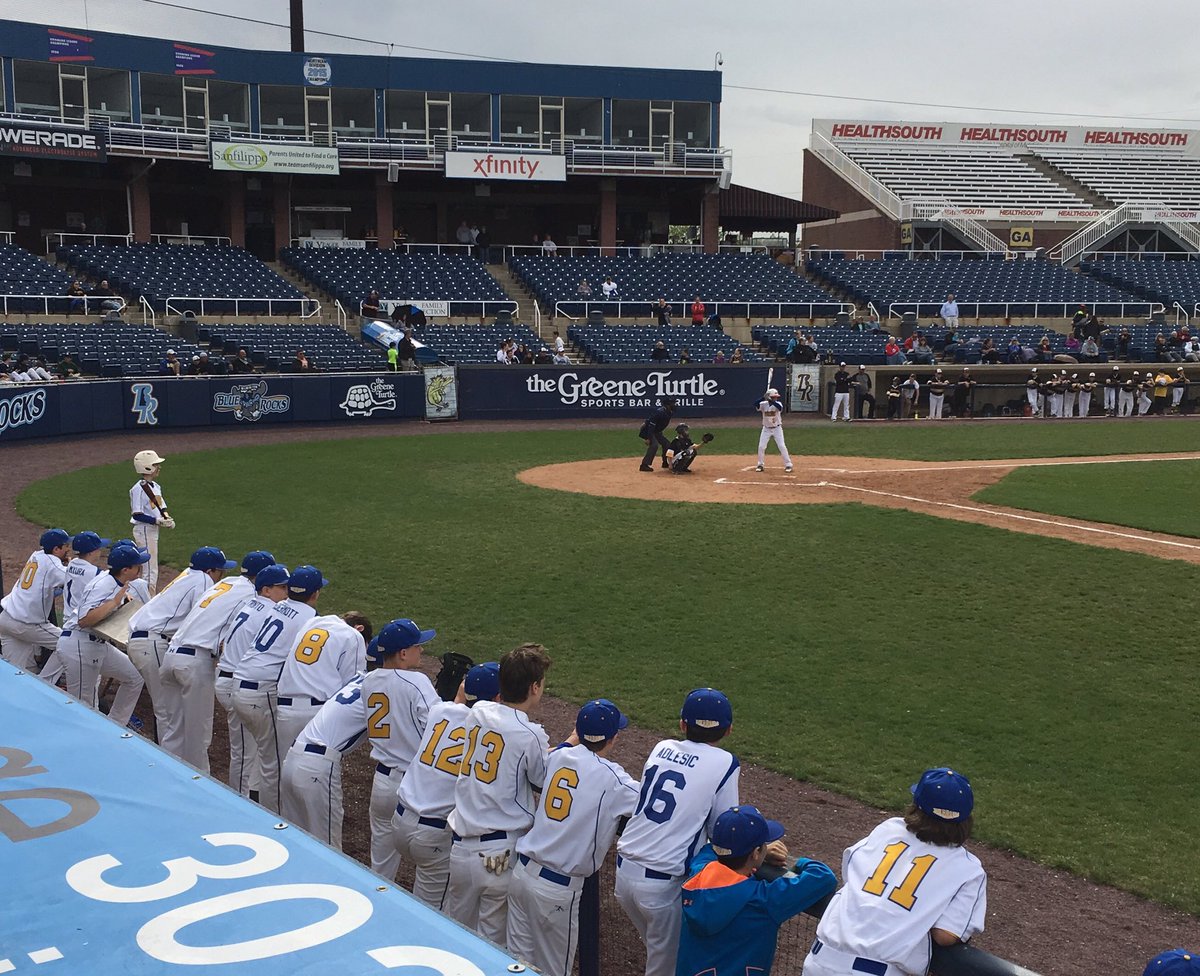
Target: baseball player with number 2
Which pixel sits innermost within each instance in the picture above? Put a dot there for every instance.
(878, 922)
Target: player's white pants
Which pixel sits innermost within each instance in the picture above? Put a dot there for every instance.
(1056, 404)
(293, 715)
(1110, 399)
(935, 405)
(385, 859)
(656, 911)
(476, 897)
(428, 848)
(312, 793)
(1085, 403)
(828, 961)
(841, 401)
(19, 642)
(52, 670)
(1144, 403)
(773, 434)
(1176, 396)
(147, 655)
(146, 536)
(1068, 404)
(189, 686)
(85, 660)
(129, 684)
(1031, 394)
(258, 711)
(239, 778)
(543, 919)
(1126, 400)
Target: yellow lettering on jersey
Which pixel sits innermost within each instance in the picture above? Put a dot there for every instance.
(449, 759)
(311, 644)
(220, 590)
(905, 893)
(876, 884)
(486, 769)
(558, 794)
(178, 577)
(28, 573)
(377, 728)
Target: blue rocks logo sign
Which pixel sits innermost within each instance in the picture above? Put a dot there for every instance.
(249, 402)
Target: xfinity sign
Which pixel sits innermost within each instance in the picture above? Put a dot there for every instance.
(51, 142)
(521, 167)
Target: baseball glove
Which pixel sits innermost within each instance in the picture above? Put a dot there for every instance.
(706, 439)
(454, 669)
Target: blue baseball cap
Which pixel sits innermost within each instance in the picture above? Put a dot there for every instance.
(943, 793)
(305, 580)
(400, 634)
(257, 560)
(1173, 962)
(123, 557)
(53, 538)
(741, 829)
(707, 708)
(599, 721)
(210, 557)
(124, 542)
(86, 542)
(271, 575)
(483, 682)
(373, 652)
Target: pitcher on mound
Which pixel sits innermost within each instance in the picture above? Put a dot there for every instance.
(771, 409)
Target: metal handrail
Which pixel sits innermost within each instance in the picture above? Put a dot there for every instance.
(187, 239)
(47, 299)
(1180, 310)
(1129, 212)
(148, 312)
(86, 238)
(858, 177)
(340, 311)
(311, 304)
(1065, 309)
(1140, 255)
(7, 236)
(647, 305)
(943, 210)
(816, 253)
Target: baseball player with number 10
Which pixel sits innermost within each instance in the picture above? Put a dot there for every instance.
(24, 622)
(877, 922)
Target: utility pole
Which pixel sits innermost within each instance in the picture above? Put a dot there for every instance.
(297, 26)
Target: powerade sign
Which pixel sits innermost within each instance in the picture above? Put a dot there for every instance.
(599, 391)
(51, 142)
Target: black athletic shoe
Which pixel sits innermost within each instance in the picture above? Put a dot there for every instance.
(646, 467)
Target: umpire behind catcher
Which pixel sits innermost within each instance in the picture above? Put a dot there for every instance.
(652, 433)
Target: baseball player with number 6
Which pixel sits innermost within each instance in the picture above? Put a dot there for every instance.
(587, 796)
(877, 922)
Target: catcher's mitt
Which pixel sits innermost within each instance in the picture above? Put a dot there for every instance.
(454, 669)
(706, 439)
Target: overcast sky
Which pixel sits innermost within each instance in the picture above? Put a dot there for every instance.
(1121, 59)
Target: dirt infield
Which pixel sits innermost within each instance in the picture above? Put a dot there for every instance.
(1047, 920)
(940, 488)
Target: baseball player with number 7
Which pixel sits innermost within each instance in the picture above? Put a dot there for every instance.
(877, 922)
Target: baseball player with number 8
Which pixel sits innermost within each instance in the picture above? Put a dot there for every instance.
(907, 885)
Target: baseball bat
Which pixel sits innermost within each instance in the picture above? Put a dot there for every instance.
(770, 376)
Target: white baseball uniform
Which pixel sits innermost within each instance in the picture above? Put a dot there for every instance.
(772, 429)
(324, 658)
(145, 533)
(1125, 398)
(503, 765)
(261, 644)
(151, 631)
(25, 621)
(312, 770)
(398, 704)
(426, 797)
(201, 630)
(85, 656)
(685, 787)
(1085, 397)
(1069, 395)
(1033, 394)
(895, 889)
(1111, 385)
(79, 574)
(575, 825)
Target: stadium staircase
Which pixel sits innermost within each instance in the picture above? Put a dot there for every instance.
(519, 292)
(328, 314)
(1095, 200)
(1107, 226)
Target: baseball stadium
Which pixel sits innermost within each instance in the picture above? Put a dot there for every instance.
(458, 389)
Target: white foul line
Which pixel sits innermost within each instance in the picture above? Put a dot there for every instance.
(1014, 463)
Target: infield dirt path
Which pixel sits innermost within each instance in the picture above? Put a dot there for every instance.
(940, 488)
(1050, 921)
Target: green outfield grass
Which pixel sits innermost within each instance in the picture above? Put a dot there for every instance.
(1154, 495)
(859, 645)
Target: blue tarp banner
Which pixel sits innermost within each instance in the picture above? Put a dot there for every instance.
(120, 859)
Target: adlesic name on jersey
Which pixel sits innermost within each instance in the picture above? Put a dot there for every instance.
(678, 758)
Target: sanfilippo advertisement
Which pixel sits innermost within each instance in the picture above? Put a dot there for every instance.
(269, 157)
(603, 391)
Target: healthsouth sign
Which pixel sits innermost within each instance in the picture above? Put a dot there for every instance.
(253, 157)
(522, 167)
(846, 131)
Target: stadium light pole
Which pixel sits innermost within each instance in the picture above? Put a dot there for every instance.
(297, 21)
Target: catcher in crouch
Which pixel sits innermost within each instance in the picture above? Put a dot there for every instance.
(683, 450)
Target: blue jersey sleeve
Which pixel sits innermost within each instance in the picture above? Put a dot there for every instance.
(789, 896)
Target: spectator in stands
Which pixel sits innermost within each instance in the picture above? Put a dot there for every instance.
(78, 298)
(549, 248)
(950, 344)
(170, 365)
(659, 353)
(36, 370)
(393, 356)
(949, 312)
(522, 356)
(685, 357)
(504, 353)
(989, 354)
(543, 357)
(1045, 354)
(1089, 352)
(240, 364)
(739, 357)
(1191, 350)
(199, 365)
(1124, 338)
(921, 353)
(300, 363)
(584, 289)
(697, 311)
(561, 359)
(463, 234)
(662, 313)
(406, 352)
(893, 354)
(1078, 321)
(609, 287)
(109, 300)
(483, 245)
(474, 238)
(1012, 353)
(873, 325)
(714, 321)
(1163, 351)
(399, 236)
(719, 357)
(370, 305)
(1094, 327)
(67, 368)
(5, 370)
(792, 352)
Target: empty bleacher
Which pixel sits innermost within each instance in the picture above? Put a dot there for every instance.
(99, 350)
(23, 273)
(350, 275)
(976, 177)
(157, 272)
(741, 285)
(618, 344)
(982, 288)
(1124, 176)
(1157, 280)
(463, 344)
(273, 347)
